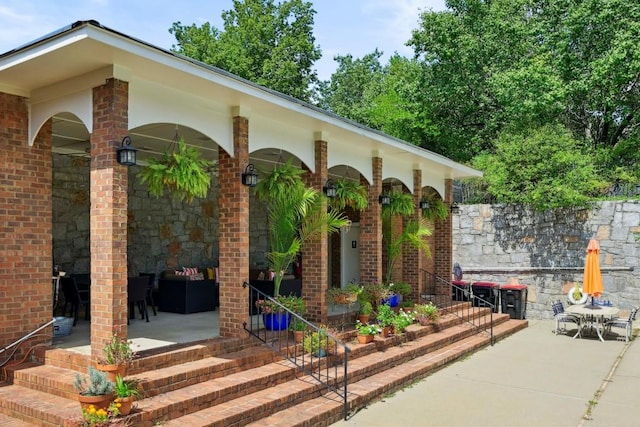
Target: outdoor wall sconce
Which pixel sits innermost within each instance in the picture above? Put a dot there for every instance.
(249, 176)
(384, 199)
(330, 189)
(126, 154)
(424, 205)
(455, 209)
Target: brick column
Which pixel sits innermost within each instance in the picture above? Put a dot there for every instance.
(314, 253)
(411, 257)
(371, 229)
(443, 251)
(25, 226)
(108, 224)
(233, 202)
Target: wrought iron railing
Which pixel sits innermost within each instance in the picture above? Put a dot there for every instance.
(329, 369)
(460, 301)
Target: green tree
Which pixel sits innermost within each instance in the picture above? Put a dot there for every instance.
(545, 168)
(267, 43)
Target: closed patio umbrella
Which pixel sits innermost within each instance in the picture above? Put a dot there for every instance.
(592, 283)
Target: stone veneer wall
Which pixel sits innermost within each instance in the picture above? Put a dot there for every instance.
(546, 251)
(163, 233)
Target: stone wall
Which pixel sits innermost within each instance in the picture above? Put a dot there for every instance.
(162, 233)
(546, 251)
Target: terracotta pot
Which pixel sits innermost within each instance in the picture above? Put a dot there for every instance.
(126, 403)
(386, 331)
(112, 370)
(364, 318)
(99, 402)
(365, 339)
(298, 336)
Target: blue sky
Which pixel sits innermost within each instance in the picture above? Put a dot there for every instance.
(341, 27)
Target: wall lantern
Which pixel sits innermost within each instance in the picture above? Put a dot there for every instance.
(384, 199)
(330, 189)
(249, 176)
(126, 154)
(455, 209)
(424, 205)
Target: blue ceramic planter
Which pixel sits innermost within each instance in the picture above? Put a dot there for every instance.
(276, 321)
(392, 300)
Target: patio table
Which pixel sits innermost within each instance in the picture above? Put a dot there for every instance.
(592, 316)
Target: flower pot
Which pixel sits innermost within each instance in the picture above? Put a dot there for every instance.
(392, 300)
(298, 336)
(112, 370)
(364, 318)
(365, 339)
(276, 321)
(98, 402)
(386, 331)
(126, 403)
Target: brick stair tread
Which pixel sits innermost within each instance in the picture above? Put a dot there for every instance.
(53, 378)
(235, 412)
(7, 421)
(42, 405)
(219, 389)
(327, 409)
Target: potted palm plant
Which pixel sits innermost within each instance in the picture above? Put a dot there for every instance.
(413, 233)
(295, 216)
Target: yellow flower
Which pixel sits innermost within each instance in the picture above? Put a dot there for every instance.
(101, 413)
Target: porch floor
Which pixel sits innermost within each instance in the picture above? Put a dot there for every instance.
(163, 330)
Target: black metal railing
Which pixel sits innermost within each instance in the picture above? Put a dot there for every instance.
(459, 301)
(328, 366)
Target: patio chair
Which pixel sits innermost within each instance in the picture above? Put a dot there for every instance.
(561, 317)
(137, 288)
(74, 298)
(625, 323)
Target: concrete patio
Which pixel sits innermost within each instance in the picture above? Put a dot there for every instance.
(532, 378)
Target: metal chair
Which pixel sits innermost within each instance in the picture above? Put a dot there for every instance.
(625, 323)
(74, 298)
(561, 317)
(150, 290)
(137, 295)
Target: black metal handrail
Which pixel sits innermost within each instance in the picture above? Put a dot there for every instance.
(467, 312)
(324, 369)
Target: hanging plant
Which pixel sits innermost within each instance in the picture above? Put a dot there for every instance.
(438, 210)
(180, 170)
(349, 193)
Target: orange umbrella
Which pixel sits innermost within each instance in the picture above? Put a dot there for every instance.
(592, 284)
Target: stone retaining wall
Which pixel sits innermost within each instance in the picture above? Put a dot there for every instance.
(546, 251)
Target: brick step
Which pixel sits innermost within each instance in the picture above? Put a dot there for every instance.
(37, 407)
(263, 403)
(149, 359)
(59, 381)
(7, 421)
(248, 382)
(327, 409)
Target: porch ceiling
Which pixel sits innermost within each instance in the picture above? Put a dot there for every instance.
(82, 51)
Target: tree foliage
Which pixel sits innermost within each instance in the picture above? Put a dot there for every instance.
(545, 168)
(267, 43)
